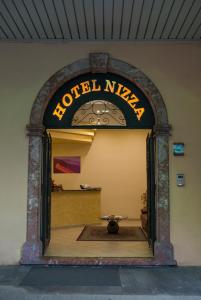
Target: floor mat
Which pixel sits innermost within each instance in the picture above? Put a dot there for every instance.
(71, 276)
(99, 233)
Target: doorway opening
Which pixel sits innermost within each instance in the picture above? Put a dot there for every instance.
(97, 174)
(101, 78)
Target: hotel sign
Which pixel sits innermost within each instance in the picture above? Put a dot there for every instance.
(109, 87)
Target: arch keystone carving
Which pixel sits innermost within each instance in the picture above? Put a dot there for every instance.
(99, 62)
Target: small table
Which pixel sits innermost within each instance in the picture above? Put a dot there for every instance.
(113, 226)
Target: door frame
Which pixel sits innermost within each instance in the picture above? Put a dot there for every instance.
(99, 63)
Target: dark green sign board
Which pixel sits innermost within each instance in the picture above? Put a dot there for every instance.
(105, 87)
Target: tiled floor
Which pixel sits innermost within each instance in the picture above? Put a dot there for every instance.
(64, 244)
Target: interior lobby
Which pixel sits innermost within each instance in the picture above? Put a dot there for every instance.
(116, 176)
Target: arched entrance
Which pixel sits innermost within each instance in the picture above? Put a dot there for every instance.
(99, 63)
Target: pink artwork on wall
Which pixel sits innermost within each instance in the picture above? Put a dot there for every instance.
(67, 164)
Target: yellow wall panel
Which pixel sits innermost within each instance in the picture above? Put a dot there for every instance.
(75, 208)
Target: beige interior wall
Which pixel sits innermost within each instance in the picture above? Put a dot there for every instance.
(176, 71)
(114, 161)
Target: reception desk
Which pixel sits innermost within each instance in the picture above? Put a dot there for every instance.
(75, 207)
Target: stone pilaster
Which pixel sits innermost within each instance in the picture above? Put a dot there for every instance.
(163, 250)
(32, 249)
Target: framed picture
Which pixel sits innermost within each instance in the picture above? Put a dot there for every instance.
(66, 164)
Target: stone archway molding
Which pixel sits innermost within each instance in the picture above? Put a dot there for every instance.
(98, 63)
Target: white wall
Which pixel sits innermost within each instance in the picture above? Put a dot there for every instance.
(176, 71)
(116, 162)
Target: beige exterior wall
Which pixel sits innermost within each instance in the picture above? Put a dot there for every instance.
(176, 71)
(114, 161)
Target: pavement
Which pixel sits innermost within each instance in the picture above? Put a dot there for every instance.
(99, 283)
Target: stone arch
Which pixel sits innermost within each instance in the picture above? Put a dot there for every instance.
(99, 63)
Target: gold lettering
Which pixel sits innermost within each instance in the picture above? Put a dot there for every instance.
(59, 111)
(75, 91)
(65, 98)
(119, 89)
(109, 86)
(139, 112)
(94, 87)
(85, 87)
(132, 101)
(125, 94)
